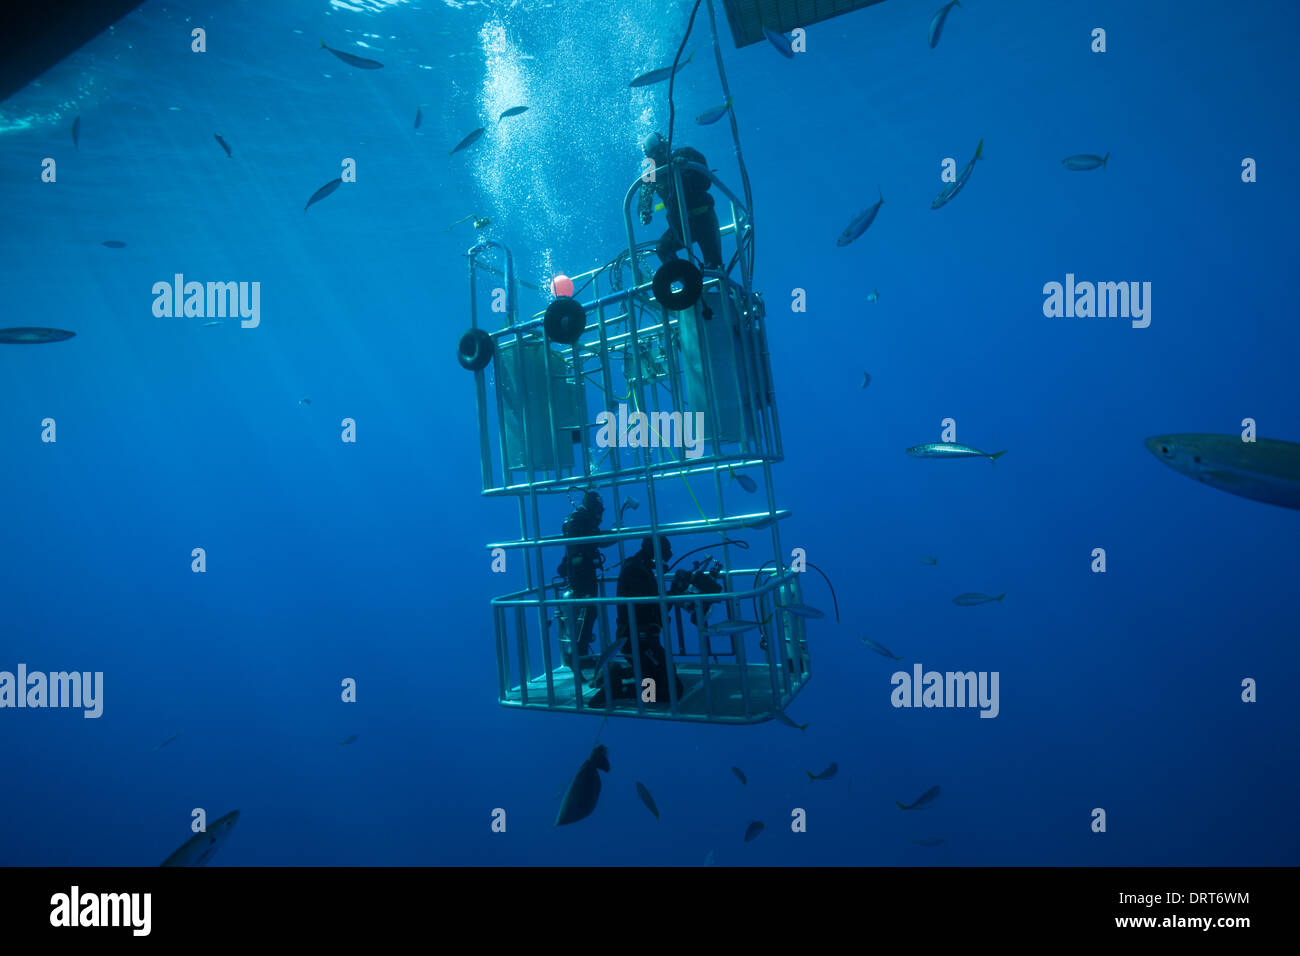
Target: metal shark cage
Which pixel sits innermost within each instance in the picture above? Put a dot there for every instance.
(680, 343)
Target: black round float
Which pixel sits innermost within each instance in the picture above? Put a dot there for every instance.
(474, 350)
(681, 272)
(565, 320)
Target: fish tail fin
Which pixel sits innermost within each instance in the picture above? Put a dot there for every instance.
(881, 191)
(810, 775)
(979, 150)
(1000, 596)
(898, 658)
(900, 806)
(996, 455)
(689, 58)
(1104, 160)
(803, 726)
(323, 46)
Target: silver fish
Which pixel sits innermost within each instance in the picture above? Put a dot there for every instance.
(224, 145)
(860, 223)
(468, 141)
(165, 743)
(950, 449)
(1085, 161)
(114, 243)
(920, 802)
(971, 599)
(200, 848)
(321, 193)
(880, 649)
(826, 774)
(802, 610)
(740, 775)
(648, 800)
(580, 799)
(753, 830)
(745, 482)
(953, 188)
(659, 75)
(29, 335)
(732, 626)
(781, 716)
(351, 739)
(708, 117)
(513, 111)
(866, 379)
(1264, 470)
(781, 42)
(360, 62)
(928, 559)
(419, 117)
(936, 22)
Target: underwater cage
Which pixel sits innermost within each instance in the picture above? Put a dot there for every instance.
(670, 347)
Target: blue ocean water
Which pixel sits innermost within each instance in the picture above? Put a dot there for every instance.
(327, 560)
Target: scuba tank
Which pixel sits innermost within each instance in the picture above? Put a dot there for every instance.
(566, 621)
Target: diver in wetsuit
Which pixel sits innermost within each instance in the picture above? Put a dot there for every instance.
(637, 579)
(703, 219)
(581, 569)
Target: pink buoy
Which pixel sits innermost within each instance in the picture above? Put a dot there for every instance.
(561, 285)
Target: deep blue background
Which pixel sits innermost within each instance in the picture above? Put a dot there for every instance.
(328, 560)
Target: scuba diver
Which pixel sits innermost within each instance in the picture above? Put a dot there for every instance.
(580, 568)
(703, 220)
(637, 579)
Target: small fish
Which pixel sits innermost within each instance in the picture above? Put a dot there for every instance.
(744, 481)
(740, 776)
(224, 145)
(781, 42)
(709, 117)
(648, 800)
(33, 336)
(826, 774)
(165, 743)
(513, 111)
(304, 401)
(321, 193)
(708, 858)
(928, 841)
(860, 223)
(953, 188)
(930, 560)
(208, 325)
(753, 830)
(468, 141)
(114, 244)
(361, 63)
(781, 716)
(629, 504)
(76, 132)
(802, 610)
(921, 801)
(732, 626)
(419, 117)
(659, 75)
(580, 799)
(873, 295)
(348, 740)
(880, 649)
(1265, 469)
(950, 449)
(1085, 161)
(200, 848)
(971, 599)
(936, 22)
(866, 379)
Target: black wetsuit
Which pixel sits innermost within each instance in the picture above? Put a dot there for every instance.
(703, 219)
(637, 579)
(581, 568)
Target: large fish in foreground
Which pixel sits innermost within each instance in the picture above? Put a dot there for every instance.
(860, 222)
(1264, 470)
(950, 449)
(33, 336)
(199, 849)
(580, 799)
(360, 62)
